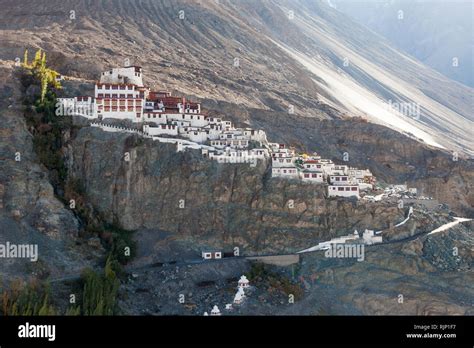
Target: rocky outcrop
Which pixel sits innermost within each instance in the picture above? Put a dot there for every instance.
(30, 213)
(225, 205)
(418, 277)
(391, 156)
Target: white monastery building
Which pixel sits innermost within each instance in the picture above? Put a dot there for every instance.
(121, 95)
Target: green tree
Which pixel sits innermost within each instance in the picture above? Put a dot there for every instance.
(25, 58)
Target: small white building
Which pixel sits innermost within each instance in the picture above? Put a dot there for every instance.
(311, 176)
(194, 120)
(311, 164)
(232, 143)
(370, 237)
(155, 117)
(255, 135)
(340, 170)
(161, 129)
(126, 75)
(285, 172)
(339, 240)
(343, 191)
(282, 162)
(339, 179)
(209, 255)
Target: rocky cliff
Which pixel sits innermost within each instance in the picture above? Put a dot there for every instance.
(391, 156)
(30, 213)
(218, 205)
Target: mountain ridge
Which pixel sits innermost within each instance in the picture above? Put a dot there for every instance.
(196, 55)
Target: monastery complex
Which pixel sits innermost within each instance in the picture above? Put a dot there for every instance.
(121, 95)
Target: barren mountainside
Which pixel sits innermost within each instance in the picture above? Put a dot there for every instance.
(299, 70)
(272, 55)
(442, 38)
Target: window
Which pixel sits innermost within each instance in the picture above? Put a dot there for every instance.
(340, 188)
(338, 178)
(354, 188)
(306, 175)
(348, 188)
(344, 178)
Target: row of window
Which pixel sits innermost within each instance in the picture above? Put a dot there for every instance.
(232, 142)
(311, 175)
(354, 188)
(154, 115)
(120, 108)
(287, 171)
(116, 87)
(122, 102)
(116, 96)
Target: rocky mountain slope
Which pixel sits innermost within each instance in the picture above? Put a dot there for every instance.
(223, 205)
(419, 277)
(444, 34)
(30, 212)
(180, 204)
(273, 55)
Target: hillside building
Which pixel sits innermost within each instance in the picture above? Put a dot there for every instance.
(120, 94)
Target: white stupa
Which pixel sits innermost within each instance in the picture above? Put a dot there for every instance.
(239, 298)
(243, 282)
(215, 311)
